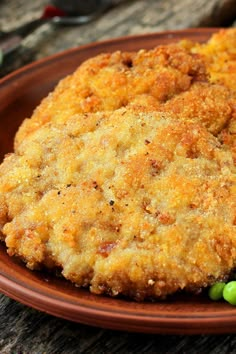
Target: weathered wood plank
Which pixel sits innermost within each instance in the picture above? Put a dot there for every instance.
(27, 331)
(131, 17)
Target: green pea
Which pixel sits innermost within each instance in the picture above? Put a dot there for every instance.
(216, 291)
(229, 292)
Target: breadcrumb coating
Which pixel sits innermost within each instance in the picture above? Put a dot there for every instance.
(149, 80)
(219, 55)
(124, 176)
(139, 204)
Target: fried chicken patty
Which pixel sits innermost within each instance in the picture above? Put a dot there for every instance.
(124, 176)
(219, 55)
(140, 204)
(166, 78)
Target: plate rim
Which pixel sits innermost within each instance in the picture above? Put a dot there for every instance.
(107, 42)
(149, 324)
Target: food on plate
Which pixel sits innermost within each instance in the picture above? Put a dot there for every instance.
(219, 55)
(225, 291)
(124, 176)
(168, 77)
(140, 204)
(229, 292)
(215, 292)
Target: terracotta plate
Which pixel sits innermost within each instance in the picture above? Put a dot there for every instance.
(20, 92)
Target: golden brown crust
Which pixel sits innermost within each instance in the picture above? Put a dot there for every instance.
(219, 55)
(134, 203)
(146, 80)
(124, 177)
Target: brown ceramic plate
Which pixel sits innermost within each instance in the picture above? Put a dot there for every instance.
(20, 92)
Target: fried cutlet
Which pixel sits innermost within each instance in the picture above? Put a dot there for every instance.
(219, 55)
(124, 176)
(134, 203)
(167, 77)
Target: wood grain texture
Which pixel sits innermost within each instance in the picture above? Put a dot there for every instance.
(130, 17)
(24, 330)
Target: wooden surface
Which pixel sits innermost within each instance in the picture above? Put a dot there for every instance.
(130, 17)
(24, 330)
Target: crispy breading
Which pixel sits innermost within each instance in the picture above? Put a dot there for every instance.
(129, 203)
(124, 176)
(219, 55)
(147, 80)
